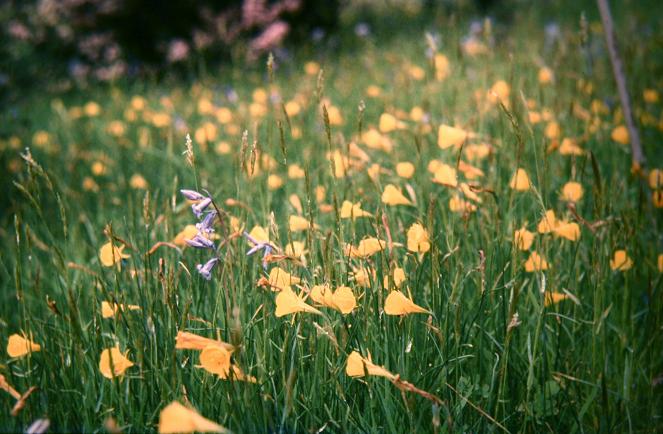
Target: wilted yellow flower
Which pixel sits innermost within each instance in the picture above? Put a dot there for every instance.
(259, 234)
(535, 262)
(19, 346)
(112, 363)
(621, 261)
(398, 304)
(110, 254)
(176, 418)
(417, 239)
(392, 196)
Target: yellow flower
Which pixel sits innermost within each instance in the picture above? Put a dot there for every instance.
(572, 191)
(137, 182)
(295, 172)
(187, 233)
(398, 304)
(552, 131)
(216, 360)
(448, 136)
(405, 169)
(342, 299)
(650, 96)
(398, 276)
(299, 223)
(417, 239)
(523, 238)
(176, 418)
(280, 279)
(442, 68)
(392, 196)
(445, 175)
(545, 75)
(554, 298)
(110, 254)
(366, 247)
(287, 302)
(620, 261)
(109, 310)
(353, 210)
(19, 346)
(500, 91)
(388, 123)
(358, 366)
(656, 179)
(570, 147)
(520, 181)
(620, 135)
(113, 363)
(190, 341)
(535, 262)
(456, 204)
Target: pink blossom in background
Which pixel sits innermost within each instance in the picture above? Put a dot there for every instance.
(178, 50)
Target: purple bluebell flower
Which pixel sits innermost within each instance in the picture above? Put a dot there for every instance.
(206, 270)
(205, 226)
(259, 245)
(192, 194)
(200, 242)
(199, 207)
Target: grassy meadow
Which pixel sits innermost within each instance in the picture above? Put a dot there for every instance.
(448, 237)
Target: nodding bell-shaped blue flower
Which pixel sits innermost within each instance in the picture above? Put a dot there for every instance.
(200, 242)
(192, 194)
(206, 269)
(205, 226)
(257, 246)
(199, 207)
